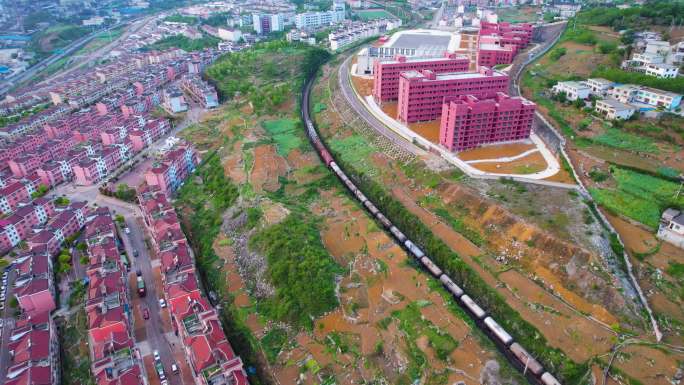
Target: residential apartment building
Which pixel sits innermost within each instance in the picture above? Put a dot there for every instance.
(519, 35)
(173, 168)
(386, 74)
(599, 86)
(200, 91)
(34, 285)
(468, 122)
(629, 93)
(572, 90)
(614, 110)
(33, 348)
(16, 192)
(207, 350)
(357, 31)
(114, 360)
(313, 20)
(490, 55)
(266, 23)
(421, 94)
(19, 225)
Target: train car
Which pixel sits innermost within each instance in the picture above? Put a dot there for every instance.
(474, 308)
(359, 195)
(427, 262)
(529, 363)
(548, 379)
(499, 332)
(371, 207)
(415, 250)
(451, 286)
(397, 234)
(327, 158)
(383, 219)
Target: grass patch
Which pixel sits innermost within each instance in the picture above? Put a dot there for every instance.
(300, 268)
(273, 343)
(412, 323)
(285, 133)
(624, 141)
(373, 14)
(638, 196)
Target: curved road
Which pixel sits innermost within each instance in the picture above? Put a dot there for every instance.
(358, 107)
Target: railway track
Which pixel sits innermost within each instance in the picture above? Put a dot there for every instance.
(515, 353)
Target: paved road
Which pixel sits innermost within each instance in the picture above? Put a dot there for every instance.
(370, 119)
(158, 334)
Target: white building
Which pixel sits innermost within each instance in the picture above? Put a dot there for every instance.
(599, 86)
(630, 93)
(657, 47)
(359, 31)
(614, 110)
(233, 35)
(265, 23)
(573, 90)
(671, 228)
(664, 71)
(95, 20)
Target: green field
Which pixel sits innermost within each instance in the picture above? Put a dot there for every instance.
(374, 14)
(285, 133)
(638, 196)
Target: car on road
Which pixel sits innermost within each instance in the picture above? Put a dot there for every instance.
(135, 253)
(156, 355)
(127, 230)
(162, 303)
(146, 314)
(174, 368)
(138, 273)
(164, 382)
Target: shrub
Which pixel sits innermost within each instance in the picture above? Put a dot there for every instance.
(557, 53)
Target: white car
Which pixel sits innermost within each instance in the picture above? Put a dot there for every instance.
(127, 230)
(164, 382)
(174, 368)
(162, 303)
(156, 355)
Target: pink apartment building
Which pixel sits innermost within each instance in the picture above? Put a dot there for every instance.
(468, 122)
(209, 354)
(34, 288)
(33, 352)
(173, 169)
(519, 35)
(490, 55)
(16, 192)
(421, 94)
(386, 74)
(19, 225)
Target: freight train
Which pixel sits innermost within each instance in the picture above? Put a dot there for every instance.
(520, 358)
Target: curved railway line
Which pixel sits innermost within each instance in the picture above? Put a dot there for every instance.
(513, 351)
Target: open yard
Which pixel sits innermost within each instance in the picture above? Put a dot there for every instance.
(371, 14)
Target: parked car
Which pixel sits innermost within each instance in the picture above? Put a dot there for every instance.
(174, 368)
(162, 303)
(146, 314)
(156, 355)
